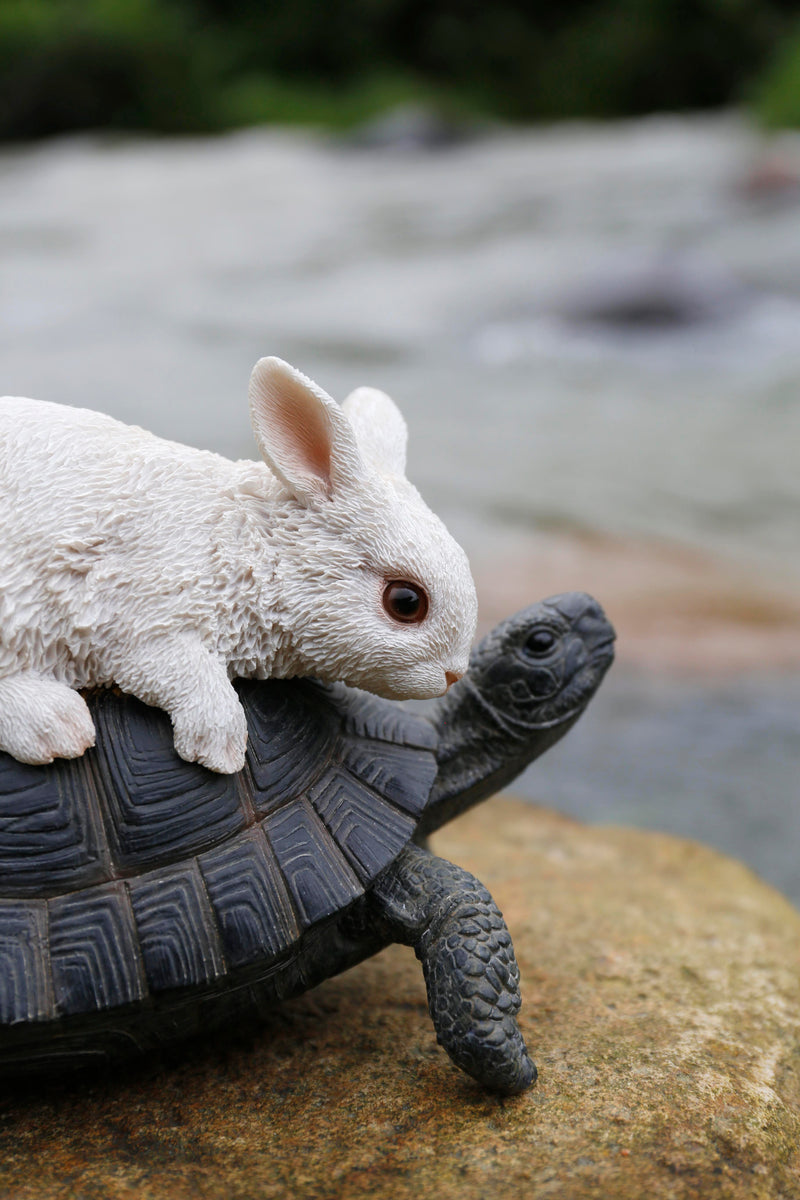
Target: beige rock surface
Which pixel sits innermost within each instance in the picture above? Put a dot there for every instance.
(661, 987)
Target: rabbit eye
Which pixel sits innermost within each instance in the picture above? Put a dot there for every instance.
(405, 602)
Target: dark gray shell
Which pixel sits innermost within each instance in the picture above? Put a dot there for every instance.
(128, 873)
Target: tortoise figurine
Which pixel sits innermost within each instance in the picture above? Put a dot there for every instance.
(144, 899)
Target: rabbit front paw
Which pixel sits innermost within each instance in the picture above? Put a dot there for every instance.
(41, 719)
(217, 740)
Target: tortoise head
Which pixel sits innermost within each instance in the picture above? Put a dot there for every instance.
(541, 667)
(528, 682)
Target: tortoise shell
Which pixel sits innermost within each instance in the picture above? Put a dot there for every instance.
(129, 872)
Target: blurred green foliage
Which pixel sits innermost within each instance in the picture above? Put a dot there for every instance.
(77, 64)
(199, 65)
(776, 99)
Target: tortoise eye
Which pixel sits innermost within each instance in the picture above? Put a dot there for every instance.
(405, 602)
(540, 642)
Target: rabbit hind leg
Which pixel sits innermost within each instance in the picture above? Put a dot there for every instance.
(42, 719)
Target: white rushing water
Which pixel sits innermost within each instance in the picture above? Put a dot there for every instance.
(144, 278)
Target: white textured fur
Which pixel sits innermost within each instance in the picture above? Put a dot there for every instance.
(169, 571)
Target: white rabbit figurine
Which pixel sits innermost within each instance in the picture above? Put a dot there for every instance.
(168, 571)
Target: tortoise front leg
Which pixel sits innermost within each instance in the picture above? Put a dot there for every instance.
(459, 935)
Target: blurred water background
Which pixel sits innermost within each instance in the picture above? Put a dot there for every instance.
(593, 330)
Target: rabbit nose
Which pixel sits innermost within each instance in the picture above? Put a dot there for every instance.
(451, 678)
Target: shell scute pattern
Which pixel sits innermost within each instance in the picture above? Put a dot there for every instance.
(156, 806)
(291, 736)
(400, 774)
(250, 899)
(50, 829)
(94, 950)
(319, 878)
(25, 991)
(178, 937)
(363, 717)
(362, 824)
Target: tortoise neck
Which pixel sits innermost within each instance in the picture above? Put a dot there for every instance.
(480, 751)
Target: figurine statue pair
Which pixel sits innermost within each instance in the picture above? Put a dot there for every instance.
(143, 898)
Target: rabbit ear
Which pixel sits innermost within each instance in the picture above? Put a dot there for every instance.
(380, 430)
(303, 435)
